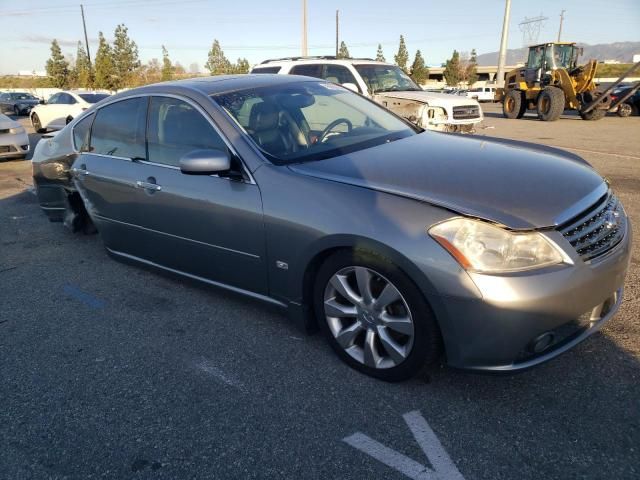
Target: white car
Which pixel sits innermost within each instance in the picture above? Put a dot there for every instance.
(387, 85)
(61, 108)
(483, 94)
(14, 142)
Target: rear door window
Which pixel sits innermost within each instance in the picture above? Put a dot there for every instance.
(176, 128)
(339, 74)
(119, 128)
(314, 70)
(81, 133)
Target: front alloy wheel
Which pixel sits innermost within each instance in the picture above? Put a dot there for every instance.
(374, 316)
(368, 317)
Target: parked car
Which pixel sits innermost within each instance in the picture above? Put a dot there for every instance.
(631, 106)
(61, 108)
(387, 85)
(482, 94)
(14, 142)
(404, 246)
(17, 103)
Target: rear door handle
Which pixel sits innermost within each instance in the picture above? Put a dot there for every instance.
(148, 186)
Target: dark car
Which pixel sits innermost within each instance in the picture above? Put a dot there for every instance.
(631, 105)
(17, 103)
(404, 246)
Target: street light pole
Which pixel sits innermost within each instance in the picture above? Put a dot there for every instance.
(561, 20)
(304, 28)
(86, 39)
(502, 59)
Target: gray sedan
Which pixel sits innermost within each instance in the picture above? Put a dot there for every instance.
(403, 246)
(17, 103)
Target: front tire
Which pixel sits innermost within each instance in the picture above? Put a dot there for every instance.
(37, 126)
(374, 316)
(550, 104)
(514, 105)
(593, 115)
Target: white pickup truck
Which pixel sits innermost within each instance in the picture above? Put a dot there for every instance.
(483, 94)
(387, 85)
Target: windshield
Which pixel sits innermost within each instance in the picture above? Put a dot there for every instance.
(386, 78)
(305, 121)
(563, 56)
(92, 97)
(22, 96)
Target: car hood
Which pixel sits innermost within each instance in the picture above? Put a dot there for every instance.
(515, 184)
(6, 122)
(431, 98)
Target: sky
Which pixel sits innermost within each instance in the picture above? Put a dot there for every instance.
(259, 30)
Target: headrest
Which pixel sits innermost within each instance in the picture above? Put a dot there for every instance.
(264, 116)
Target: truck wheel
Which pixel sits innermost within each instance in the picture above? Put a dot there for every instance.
(550, 104)
(513, 105)
(595, 114)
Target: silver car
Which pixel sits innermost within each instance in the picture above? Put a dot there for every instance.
(403, 246)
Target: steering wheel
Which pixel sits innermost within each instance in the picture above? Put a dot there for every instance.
(333, 125)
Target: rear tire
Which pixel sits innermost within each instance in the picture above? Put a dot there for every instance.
(595, 114)
(624, 110)
(514, 105)
(420, 344)
(37, 126)
(550, 104)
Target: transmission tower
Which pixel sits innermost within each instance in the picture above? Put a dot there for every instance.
(530, 28)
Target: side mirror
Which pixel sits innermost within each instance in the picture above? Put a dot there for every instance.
(351, 86)
(205, 162)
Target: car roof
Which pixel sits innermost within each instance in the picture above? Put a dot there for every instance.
(279, 62)
(222, 83)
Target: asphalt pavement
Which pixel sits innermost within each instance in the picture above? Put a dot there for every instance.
(112, 371)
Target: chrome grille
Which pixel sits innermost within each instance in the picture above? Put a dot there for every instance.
(465, 112)
(598, 229)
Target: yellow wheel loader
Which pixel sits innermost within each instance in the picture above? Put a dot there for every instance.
(552, 81)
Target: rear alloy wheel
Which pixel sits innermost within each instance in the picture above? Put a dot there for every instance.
(374, 317)
(625, 110)
(16, 111)
(550, 104)
(513, 105)
(37, 126)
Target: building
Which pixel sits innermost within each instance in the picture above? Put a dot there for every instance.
(31, 73)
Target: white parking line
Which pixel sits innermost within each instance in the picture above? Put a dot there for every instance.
(443, 467)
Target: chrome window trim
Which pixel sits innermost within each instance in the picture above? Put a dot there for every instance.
(200, 110)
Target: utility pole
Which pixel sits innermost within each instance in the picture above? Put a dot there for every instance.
(502, 59)
(304, 28)
(86, 39)
(337, 30)
(561, 20)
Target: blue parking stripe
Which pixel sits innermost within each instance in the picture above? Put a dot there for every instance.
(83, 297)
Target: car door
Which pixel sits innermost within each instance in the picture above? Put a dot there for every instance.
(207, 226)
(47, 111)
(106, 171)
(63, 108)
(4, 100)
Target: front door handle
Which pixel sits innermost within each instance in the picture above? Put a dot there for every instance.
(148, 186)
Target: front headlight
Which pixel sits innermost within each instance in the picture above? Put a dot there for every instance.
(17, 130)
(482, 247)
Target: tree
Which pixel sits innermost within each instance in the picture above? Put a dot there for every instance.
(167, 68)
(83, 70)
(104, 76)
(57, 67)
(380, 55)
(217, 63)
(178, 69)
(402, 57)
(242, 66)
(419, 72)
(343, 51)
(125, 57)
(452, 70)
(471, 68)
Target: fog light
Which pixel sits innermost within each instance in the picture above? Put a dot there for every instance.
(541, 342)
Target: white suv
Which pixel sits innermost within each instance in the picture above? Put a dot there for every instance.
(387, 85)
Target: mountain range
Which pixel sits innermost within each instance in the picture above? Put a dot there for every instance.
(621, 51)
